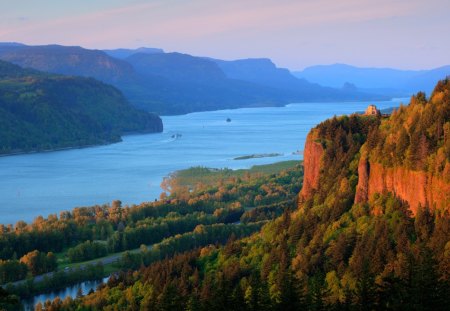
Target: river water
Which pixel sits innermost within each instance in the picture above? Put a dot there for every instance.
(132, 170)
(71, 291)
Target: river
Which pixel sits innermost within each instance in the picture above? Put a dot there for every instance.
(71, 291)
(132, 170)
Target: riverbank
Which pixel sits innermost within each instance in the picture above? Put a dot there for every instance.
(99, 144)
(258, 156)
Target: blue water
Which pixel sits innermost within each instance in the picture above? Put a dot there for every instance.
(132, 170)
(63, 293)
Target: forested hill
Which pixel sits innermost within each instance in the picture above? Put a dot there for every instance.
(40, 111)
(333, 252)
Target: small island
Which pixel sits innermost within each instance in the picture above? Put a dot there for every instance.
(256, 156)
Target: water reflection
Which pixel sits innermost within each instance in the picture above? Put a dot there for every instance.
(71, 291)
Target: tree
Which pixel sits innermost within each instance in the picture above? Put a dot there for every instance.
(38, 262)
(79, 292)
(401, 146)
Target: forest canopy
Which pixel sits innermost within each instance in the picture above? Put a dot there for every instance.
(40, 111)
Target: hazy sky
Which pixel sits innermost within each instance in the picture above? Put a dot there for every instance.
(408, 34)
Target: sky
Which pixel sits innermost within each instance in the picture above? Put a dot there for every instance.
(404, 34)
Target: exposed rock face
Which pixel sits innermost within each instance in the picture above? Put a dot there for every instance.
(418, 188)
(312, 165)
(362, 189)
(406, 154)
(415, 187)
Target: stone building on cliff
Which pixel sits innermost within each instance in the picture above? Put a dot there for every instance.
(372, 111)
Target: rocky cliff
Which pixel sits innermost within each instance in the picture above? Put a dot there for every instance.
(418, 188)
(312, 163)
(406, 154)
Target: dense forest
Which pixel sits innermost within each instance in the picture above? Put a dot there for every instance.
(417, 136)
(326, 251)
(40, 111)
(193, 214)
(248, 242)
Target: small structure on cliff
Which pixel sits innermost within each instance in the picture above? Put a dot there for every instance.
(372, 111)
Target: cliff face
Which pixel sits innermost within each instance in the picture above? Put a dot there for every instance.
(312, 162)
(351, 158)
(418, 188)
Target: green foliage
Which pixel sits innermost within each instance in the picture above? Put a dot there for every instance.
(418, 136)
(86, 251)
(176, 224)
(328, 254)
(9, 302)
(342, 139)
(12, 270)
(201, 236)
(42, 112)
(39, 262)
(57, 280)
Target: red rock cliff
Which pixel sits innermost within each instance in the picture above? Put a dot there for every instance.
(312, 160)
(415, 187)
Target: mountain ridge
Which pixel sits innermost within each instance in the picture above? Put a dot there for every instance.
(395, 81)
(169, 94)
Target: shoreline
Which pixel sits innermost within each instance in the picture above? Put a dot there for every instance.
(281, 105)
(173, 173)
(77, 147)
(57, 149)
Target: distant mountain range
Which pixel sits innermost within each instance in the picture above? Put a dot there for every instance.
(42, 111)
(124, 53)
(174, 83)
(264, 72)
(375, 80)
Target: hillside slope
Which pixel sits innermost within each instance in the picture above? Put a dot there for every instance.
(407, 154)
(40, 111)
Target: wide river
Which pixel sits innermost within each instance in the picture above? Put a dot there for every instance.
(132, 170)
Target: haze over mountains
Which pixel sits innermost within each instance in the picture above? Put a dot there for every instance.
(165, 83)
(174, 83)
(375, 80)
